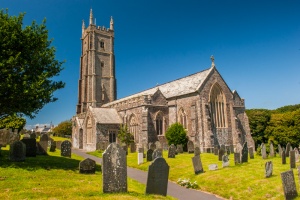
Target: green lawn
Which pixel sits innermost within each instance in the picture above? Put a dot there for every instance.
(54, 177)
(243, 181)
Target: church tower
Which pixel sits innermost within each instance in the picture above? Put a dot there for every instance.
(97, 82)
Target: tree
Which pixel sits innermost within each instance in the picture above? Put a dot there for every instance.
(125, 136)
(176, 134)
(27, 67)
(63, 128)
(13, 122)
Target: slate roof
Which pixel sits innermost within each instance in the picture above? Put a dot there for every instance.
(106, 115)
(178, 87)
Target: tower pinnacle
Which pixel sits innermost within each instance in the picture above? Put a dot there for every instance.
(83, 26)
(111, 23)
(91, 17)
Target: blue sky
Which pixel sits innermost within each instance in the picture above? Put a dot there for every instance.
(256, 45)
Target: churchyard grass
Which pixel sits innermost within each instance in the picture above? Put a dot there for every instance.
(56, 177)
(97, 153)
(242, 181)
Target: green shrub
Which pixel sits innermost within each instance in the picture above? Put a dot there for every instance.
(176, 134)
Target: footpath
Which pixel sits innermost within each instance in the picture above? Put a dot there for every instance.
(174, 189)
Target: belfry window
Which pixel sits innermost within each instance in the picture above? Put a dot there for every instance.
(101, 44)
(159, 124)
(218, 107)
(112, 136)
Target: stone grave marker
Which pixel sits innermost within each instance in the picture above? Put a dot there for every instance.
(179, 148)
(197, 151)
(152, 146)
(287, 150)
(289, 185)
(158, 145)
(272, 154)
(157, 180)
(223, 147)
(292, 159)
(268, 169)
(244, 155)
(114, 169)
(237, 158)
(157, 153)
(4, 137)
(263, 151)
(132, 148)
(172, 151)
(238, 148)
(251, 152)
(17, 152)
(190, 147)
(66, 150)
(227, 150)
(216, 150)
(53, 146)
(225, 161)
(87, 166)
(140, 155)
(30, 145)
(149, 155)
(44, 142)
(283, 157)
(213, 167)
(221, 153)
(198, 168)
(279, 150)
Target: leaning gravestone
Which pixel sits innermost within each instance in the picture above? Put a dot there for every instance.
(268, 169)
(225, 161)
(157, 153)
(44, 142)
(140, 155)
(244, 155)
(283, 157)
(251, 152)
(263, 151)
(198, 168)
(289, 185)
(87, 166)
(17, 151)
(149, 155)
(65, 149)
(292, 159)
(172, 151)
(157, 180)
(237, 158)
(114, 169)
(179, 148)
(272, 153)
(197, 151)
(287, 149)
(190, 147)
(30, 147)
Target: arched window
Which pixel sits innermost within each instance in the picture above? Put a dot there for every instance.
(89, 131)
(133, 127)
(217, 105)
(159, 123)
(112, 136)
(101, 44)
(182, 118)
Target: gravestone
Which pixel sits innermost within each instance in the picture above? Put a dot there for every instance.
(172, 151)
(263, 151)
(238, 148)
(237, 158)
(114, 169)
(65, 148)
(225, 161)
(197, 151)
(132, 148)
(152, 146)
(190, 147)
(279, 150)
(216, 150)
(53, 146)
(227, 150)
(292, 159)
(223, 147)
(30, 147)
(198, 168)
(158, 145)
(87, 166)
(157, 153)
(221, 153)
(268, 169)
(179, 148)
(244, 155)
(212, 167)
(4, 137)
(272, 154)
(149, 155)
(44, 142)
(251, 152)
(140, 155)
(17, 151)
(283, 157)
(287, 149)
(289, 185)
(157, 180)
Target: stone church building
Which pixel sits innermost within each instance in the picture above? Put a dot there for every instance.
(211, 113)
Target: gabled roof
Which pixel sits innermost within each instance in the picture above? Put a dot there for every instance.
(178, 87)
(106, 115)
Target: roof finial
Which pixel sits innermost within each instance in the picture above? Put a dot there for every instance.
(111, 23)
(212, 60)
(83, 26)
(91, 17)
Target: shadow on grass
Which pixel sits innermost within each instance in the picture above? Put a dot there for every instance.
(47, 162)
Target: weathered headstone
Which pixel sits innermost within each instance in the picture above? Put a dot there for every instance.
(197, 151)
(44, 142)
(292, 159)
(289, 185)
(53, 146)
(152, 146)
(263, 151)
(272, 154)
(157, 153)
(212, 167)
(216, 150)
(30, 147)
(251, 152)
(279, 150)
(268, 169)
(198, 168)
(157, 180)
(283, 157)
(190, 147)
(4, 137)
(149, 155)
(132, 148)
(87, 166)
(17, 151)
(158, 145)
(179, 148)
(140, 155)
(238, 148)
(287, 149)
(172, 151)
(237, 158)
(221, 153)
(225, 161)
(114, 169)
(66, 150)
(244, 153)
